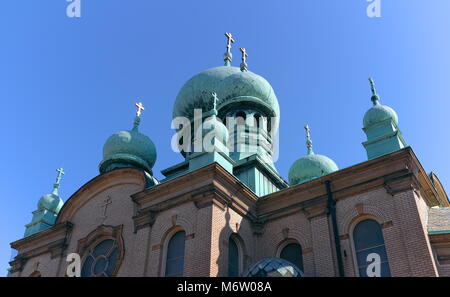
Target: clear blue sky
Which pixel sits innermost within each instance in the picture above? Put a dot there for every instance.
(67, 84)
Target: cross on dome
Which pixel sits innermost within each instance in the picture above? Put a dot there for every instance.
(140, 108)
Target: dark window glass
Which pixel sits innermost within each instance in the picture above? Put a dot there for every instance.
(175, 255)
(233, 258)
(293, 253)
(102, 259)
(368, 239)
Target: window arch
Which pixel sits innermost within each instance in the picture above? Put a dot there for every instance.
(233, 258)
(369, 247)
(292, 252)
(175, 255)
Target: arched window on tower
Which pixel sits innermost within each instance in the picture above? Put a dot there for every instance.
(233, 258)
(175, 255)
(292, 252)
(257, 121)
(370, 251)
(241, 118)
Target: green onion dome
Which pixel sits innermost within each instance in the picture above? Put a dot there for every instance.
(378, 112)
(51, 202)
(234, 88)
(191, 95)
(213, 125)
(128, 149)
(310, 166)
(249, 89)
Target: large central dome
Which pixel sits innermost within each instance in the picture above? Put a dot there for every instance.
(232, 86)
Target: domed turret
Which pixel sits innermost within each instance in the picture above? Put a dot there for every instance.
(310, 166)
(380, 124)
(378, 113)
(49, 206)
(248, 106)
(129, 149)
(213, 128)
(51, 202)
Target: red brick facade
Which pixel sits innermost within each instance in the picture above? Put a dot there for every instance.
(211, 205)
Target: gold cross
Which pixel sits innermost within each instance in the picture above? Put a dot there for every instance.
(140, 108)
(244, 55)
(230, 40)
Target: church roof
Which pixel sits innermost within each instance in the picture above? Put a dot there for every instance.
(439, 220)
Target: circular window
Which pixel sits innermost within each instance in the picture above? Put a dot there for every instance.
(101, 260)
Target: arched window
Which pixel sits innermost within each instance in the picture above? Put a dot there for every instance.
(293, 253)
(101, 260)
(175, 255)
(233, 258)
(257, 120)
(370, 251)
(240, 118)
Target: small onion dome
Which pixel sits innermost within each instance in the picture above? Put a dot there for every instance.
(310, 166)
(51, 202)
(128, 148)
(273, 267)
(212, 123)
(378, 112)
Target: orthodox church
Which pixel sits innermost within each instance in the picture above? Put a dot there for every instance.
(226, 211)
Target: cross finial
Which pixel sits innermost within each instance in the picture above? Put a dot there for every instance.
(140, 108)
(308, 140)
(308, 131)
(372, 86)
(228, 56)
(60, 174)
(58, 180)
(230, 39)
(375, 97)
(244, 59)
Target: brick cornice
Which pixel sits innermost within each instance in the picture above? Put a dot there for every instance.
(209, 185)
(53, 240)
(396, 172)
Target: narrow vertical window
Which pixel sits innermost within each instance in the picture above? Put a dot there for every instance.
(175, 255)
(233, 259)
(293, 253)
(370, 250)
